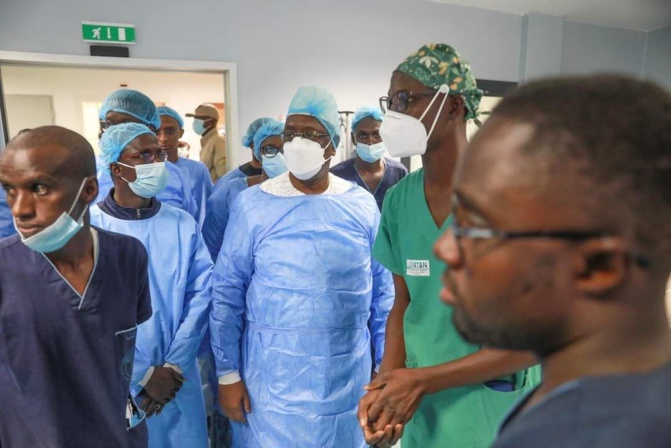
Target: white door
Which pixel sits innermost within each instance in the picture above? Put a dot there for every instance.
(27, 112)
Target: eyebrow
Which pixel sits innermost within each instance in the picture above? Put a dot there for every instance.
(469, 204)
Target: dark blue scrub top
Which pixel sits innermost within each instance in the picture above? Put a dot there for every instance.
(393, 173)
(619, 411)
(66, 360)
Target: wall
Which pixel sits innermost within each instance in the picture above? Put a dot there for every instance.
(590, 48)
(658, 57)
(70, 87)
(348, 46)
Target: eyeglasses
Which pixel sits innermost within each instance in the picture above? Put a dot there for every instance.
(399, 101)
(271, 151)
(310, 135)
(148, 157)
(482, 233)
(168, 132)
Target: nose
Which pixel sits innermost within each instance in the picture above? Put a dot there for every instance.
(23, 206)
(448, 250)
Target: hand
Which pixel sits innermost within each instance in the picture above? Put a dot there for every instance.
(233, 398)
(149, 405)
(400, 392)
(164, 384)
(384, 438)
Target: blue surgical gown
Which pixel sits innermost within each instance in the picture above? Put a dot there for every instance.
(231, 175)
(6, 220)
(218, 211)
(197, 176)
(179, 279)
(176, 193)
(294, 290)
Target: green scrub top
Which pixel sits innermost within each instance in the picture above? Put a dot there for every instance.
(464, 417)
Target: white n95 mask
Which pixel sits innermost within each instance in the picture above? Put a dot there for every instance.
(405, 135)
(304, 158)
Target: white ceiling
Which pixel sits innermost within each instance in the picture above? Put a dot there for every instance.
(645, 15)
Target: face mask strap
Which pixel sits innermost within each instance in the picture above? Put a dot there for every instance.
(443, 89)
(81, 188)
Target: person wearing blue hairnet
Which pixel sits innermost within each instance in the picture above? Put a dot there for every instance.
(253, 167)
(268, 150)
(195, 173)
(131, 106)
(295, 289)
(165, 377)
(370, 169)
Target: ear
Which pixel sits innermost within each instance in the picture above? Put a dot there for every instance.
(601, 266)
(90, 191)
(353, 138)
(181, 133)
(115, 170)
(455, 108)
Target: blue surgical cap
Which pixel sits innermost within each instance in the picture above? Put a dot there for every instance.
(373, 112)
(251, 130)
(319, 103)
(273, 127)
(133, 103)
(172, 113)
(116, 138)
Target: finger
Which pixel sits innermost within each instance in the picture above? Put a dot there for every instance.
(178, 376)
(384, 420)
(362, 412)
(388, 434)
(377, 383)
(246, 403)
(398, 434)
(375, 410)
(371, 436)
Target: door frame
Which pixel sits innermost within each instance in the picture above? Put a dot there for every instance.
(227, 69)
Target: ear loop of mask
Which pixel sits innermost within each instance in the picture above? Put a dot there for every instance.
(81, 188)
(127, 166)
(443, 89)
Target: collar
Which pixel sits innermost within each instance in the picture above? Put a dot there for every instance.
(209, 134)
(109, 206)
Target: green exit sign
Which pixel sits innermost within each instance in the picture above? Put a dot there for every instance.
(115, 33)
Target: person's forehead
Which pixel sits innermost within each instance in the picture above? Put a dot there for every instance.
(167, 121)
(368, 124)
(520, 190)
(402, 82)
(42, 160)
(120, 117)
(304, 122)
(273, 140)
(142, 143)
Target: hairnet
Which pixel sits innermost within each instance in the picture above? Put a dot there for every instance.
(436, 64)
(133, 103)
(272, 127)
(373, 112)
(117, 138)
(172, 113)
(319, 103)
(248, 138)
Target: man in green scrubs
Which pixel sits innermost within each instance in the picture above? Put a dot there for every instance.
(434, 389)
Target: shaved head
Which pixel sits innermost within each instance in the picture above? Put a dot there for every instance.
(78, 158)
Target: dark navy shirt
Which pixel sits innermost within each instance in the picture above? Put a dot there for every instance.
(619, 411)
(65, 359)
(394, 172)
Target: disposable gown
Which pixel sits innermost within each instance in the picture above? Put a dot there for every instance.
(179, 278)
(177, 193)
(231, 175)
(218, 211)
(6, 220)
(198, 177)
(294, 291)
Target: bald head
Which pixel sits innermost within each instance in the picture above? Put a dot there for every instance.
(75, 155)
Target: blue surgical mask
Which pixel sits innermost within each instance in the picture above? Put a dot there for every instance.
(59, 233)
(273, 166)
(150, 179)
(198, 126)
(371, 153)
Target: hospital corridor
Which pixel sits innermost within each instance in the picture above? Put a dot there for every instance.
(335, 224)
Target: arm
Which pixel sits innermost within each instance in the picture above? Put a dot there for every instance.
(394, 349)
(231, 277)
(216, 219)
(195, 311)
(141, 362)
(219, 157)
(381, 304)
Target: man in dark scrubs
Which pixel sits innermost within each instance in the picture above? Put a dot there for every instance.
(71, 297)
